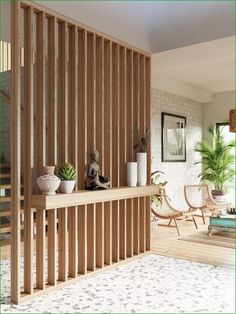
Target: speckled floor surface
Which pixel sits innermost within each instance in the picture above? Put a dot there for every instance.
(150, 284)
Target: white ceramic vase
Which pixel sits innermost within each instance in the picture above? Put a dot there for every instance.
(67, 186)
(142, 168)
(48, 183)
(132, 173)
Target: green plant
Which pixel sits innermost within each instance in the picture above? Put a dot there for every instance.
(142, 144)
(217, 159)
(67, 172)
(156, 198)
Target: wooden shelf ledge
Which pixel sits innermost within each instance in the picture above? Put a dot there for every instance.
(84, 197)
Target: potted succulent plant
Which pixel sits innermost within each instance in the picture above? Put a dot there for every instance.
(67, 174)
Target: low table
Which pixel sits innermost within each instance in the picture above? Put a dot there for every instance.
(222, 223)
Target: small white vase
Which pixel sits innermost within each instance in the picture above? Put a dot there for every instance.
(132, 173)
(142, 168)
(67, 186)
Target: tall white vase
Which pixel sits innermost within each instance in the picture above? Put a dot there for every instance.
(132, 173)
(142, 168)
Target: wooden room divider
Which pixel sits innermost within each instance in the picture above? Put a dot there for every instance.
(81, 89)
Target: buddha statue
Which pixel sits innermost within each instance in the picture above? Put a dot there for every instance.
(94, 179)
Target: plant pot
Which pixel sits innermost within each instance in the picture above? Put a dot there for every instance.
(67, 186)
(49, 170)
(142, 168)
(217, 193)
(132, 173)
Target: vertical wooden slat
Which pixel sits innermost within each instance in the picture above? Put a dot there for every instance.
(15, 152)
(63, 151)
(115, 151)
(91, 237)
(136, 114)
(148, 124)
(123, 147)
(99, 131)
(82, 147)
(28, 148)
(73, 145)
(91, 140)
(41, 144)
(130, 144)
(52, 141)
(108, 147)
(142, 121)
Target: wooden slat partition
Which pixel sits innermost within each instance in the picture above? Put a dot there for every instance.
(91, 140)
(63, 147)
(73, 146)
(28, 142)
(122, 150)
(130, 144)
(52, 140)
(108, 148)
(15, 153)
(40, 142)
(136, 123)
(115, 151)
(99, 132)
(90, 92)
(148, 125)
(82, 147)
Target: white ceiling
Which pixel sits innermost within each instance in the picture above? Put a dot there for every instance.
(209, 66)
(154, 25)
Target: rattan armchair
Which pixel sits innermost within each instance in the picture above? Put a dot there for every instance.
(167, 211)
(199, 197)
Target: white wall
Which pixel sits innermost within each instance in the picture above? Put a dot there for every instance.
(218, 109)
(177, 173)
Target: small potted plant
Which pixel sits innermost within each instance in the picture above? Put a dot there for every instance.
(141, 149)
(67, 174)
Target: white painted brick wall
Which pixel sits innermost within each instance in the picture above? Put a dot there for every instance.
(177, 173)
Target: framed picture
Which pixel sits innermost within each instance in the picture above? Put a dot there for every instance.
(173, 137)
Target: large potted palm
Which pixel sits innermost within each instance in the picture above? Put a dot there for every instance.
(218, 161)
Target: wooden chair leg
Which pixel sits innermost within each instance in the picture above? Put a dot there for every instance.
(203, 218)
(195, 223)
(169, 222)
(176, 227)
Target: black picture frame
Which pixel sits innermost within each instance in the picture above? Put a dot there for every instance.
(173, 139)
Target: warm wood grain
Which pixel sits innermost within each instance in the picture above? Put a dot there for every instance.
(136, 226)
(40, 249)
(91, 92)
(73, 145)
(15, 152)
(41, 97)
(107, 148)
(84, 197)
(28, 147)
(40, 142)
(130, 144)
(115, 149)
(52, 140)
(60, 17)
(142, 226)
(91, 238)
(123, 148)
(136, 130)
(82, 239)
(63, 146)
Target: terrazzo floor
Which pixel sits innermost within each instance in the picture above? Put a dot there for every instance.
(149, 284)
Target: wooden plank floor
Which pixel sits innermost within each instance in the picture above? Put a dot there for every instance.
(166, 242)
